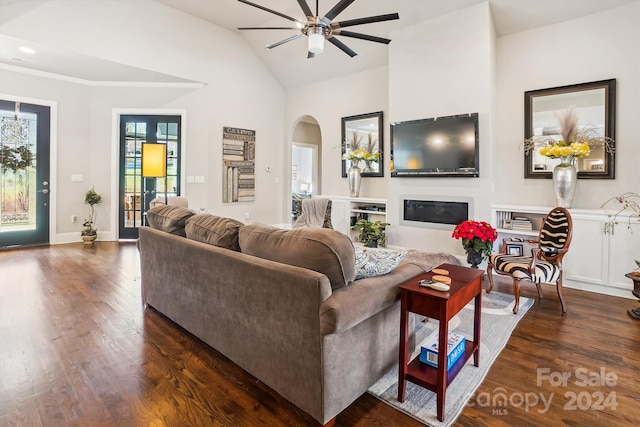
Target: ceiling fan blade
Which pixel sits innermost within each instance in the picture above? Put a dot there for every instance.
(336, 10)
(362, 36)
(266, 9)
(367, 20)
(268, 28)
(342, 46)
(305, 8)
(288, 39)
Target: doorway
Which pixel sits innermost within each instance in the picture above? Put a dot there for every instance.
(135, 190)
(24, 174)
(306, 152)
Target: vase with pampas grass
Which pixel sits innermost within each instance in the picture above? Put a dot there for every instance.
(576, 142)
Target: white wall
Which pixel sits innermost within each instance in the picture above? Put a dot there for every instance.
(239, 92)
(443, 67)
(596, 47)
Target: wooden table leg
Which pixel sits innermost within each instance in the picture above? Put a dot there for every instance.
(404, 349)
(477, 311)
(441, 387)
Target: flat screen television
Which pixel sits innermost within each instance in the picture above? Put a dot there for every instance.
(437, 147)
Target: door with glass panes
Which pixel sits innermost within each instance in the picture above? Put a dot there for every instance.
(137, 191)
(24, 174)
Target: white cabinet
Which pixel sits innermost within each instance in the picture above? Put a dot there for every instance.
(344, 208)
(597, 260)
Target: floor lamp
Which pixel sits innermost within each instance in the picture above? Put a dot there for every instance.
(154, 165)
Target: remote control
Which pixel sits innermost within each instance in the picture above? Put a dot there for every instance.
(434, 285)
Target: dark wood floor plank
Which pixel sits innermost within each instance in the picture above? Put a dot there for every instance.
(78, 349)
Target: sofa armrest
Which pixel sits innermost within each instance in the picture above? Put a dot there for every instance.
(363, 299)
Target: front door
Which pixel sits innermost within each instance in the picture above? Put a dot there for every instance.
(24, 174)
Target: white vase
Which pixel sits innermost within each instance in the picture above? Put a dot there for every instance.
(565, 178)
(355, 177)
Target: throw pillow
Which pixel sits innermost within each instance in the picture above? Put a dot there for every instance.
(371, 262)
(214, 230)
(323, 250)
(170, 219)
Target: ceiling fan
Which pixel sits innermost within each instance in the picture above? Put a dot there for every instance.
(318, 29)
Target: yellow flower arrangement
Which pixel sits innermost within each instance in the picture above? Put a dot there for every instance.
(562, 149)
(359, 154)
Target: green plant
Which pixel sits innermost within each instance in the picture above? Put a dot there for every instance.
(91, 198)
(372, 233)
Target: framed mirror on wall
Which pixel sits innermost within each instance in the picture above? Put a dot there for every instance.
(362, 143)
(595, 106)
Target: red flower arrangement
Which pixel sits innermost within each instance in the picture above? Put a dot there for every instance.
(476, 235)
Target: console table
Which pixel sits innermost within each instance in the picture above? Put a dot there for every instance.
(466, 284)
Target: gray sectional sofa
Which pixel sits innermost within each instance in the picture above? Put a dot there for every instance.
(282, 304)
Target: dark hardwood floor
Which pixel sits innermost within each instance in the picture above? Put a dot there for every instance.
(77, 349)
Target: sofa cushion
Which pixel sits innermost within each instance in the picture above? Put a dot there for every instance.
(320, 249)
(214, 230)
(170, 219)
(371, 262)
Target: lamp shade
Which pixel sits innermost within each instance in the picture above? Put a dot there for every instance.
(316, 42)
(154, 160)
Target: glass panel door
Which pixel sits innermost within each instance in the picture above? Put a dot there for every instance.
(24, 174)
(136, 191)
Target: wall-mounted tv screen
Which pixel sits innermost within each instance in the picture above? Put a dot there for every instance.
(437, 147)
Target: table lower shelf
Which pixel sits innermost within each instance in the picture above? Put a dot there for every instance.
(426, 375)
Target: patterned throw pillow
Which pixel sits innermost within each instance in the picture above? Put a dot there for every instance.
(371, 262)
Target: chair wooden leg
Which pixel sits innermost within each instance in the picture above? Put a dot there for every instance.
(490, 275)
(516, 293)
(540, 294)
(561, 294)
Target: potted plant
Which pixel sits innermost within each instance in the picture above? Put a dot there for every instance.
(477, 240)
(372, 233)
(89, 233)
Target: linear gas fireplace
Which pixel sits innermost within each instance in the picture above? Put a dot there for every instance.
(435, 212)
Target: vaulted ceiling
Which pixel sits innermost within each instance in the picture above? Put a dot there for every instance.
(288, 62)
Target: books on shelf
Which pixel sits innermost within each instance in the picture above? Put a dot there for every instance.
(521, 223)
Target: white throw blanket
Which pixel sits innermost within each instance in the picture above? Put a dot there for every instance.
(312, 215)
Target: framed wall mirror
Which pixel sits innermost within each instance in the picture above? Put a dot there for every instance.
(595, 105)
(362, 140)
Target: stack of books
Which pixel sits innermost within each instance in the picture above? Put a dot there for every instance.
(521, 223)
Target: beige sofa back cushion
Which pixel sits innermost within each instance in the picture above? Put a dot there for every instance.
(320, 249)
(170, 219)
(214, 230)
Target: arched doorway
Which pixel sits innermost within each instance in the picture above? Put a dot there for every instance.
(306, 155)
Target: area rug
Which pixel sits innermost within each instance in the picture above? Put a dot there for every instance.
(497, 323)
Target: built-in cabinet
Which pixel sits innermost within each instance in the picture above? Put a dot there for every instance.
(343, 209)
(599, 256)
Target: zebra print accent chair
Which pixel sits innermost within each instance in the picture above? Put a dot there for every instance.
(544, 265)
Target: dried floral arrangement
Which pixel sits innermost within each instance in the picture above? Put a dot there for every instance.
(576, 142)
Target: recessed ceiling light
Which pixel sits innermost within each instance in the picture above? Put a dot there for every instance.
(25, 49)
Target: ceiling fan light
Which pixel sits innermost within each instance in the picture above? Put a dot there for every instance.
(316, 43)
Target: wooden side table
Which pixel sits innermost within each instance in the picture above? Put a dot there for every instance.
(466, 284)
